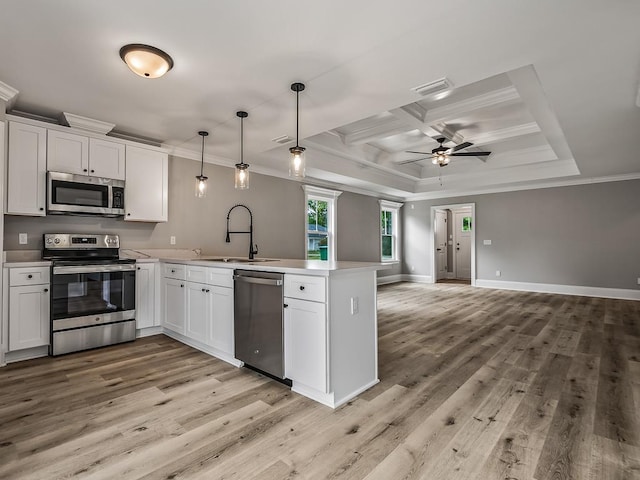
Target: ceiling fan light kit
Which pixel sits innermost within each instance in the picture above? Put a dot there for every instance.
(145, 60)
(297, 160)
(441, 154)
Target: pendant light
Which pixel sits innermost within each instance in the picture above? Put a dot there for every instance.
(145, 60)
(242, 169)
(297, 161)
(201, 180)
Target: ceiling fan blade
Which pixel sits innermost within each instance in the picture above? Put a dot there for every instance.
(418, 153)
(470, 154)
(461, 146)
(405, 162)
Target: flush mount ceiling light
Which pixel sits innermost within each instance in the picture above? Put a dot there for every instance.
(242, 169)
(145, 60)
(296, 163)
(201, 180)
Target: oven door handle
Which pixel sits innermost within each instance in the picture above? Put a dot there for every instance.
(69, 269)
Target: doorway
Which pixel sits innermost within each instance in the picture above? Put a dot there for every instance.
(453, 241)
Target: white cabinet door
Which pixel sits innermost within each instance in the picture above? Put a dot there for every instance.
(27, 170)
(198, 307)
(146, 188)
(221, 320)
(175, 304)
(106, 159)
(28, 316)
(145, 295)
(67, 152)
(306, 343)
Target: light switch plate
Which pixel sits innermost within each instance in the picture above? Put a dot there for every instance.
(22, 238)
(498, 273)
(486, 242)
(172, 240)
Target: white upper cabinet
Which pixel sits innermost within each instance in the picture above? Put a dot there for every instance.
(146, 188)
(27, 170)
(67, 153)
(106, 159)
(80, 155)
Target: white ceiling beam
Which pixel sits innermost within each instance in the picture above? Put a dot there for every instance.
(383, 130)
(457, 109)
(505, 133)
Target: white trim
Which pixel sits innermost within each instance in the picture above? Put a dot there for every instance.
(214, 352)
(432, 249)
(389, 204)
(8, 93)
(601, 292)
(517, 188)
(88, 124)
(387, 279)
(321, 192)
(409, 277)
(331, 197)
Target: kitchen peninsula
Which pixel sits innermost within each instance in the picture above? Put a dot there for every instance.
(330, 320)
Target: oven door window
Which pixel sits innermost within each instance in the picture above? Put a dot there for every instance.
(79, 194)
(80, 294)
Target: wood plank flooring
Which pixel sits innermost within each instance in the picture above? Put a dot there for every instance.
(474, 384)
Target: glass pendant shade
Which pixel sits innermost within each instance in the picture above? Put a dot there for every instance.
(201, 186)
(297, 162)
(242, 176)
(201, 180)
(145, 60)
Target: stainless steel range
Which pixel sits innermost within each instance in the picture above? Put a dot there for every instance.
(92, 292)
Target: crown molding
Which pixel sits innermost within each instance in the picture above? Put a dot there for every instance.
(8, 94)
(87, 124)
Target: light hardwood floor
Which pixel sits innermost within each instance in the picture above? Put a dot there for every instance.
(475, 384)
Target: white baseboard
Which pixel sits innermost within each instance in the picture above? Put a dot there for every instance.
(147, 332)
(618, 293)
(389, 279)
(214, 352)
(404, 278)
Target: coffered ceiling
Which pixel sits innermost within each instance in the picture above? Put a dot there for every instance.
(548, 88)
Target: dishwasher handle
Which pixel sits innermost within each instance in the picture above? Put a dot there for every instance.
(261, 281)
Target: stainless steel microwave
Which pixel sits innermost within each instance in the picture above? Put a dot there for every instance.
(81, 195)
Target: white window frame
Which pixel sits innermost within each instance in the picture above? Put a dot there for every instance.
(394, 209)
(331, 197)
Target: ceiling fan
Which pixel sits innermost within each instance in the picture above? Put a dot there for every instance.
(440, 155)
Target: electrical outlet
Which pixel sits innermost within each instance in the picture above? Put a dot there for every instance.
(638, 280)
(498, 273)
(411, 268)
(354, 305)
(22, 238)
(172, 240)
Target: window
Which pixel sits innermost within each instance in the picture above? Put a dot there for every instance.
(466, 224)
(389, 231)
(320, 220)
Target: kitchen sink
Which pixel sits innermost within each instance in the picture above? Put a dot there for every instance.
(238, 260)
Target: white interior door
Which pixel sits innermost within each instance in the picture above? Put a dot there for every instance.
(462, 243)
(441, 244)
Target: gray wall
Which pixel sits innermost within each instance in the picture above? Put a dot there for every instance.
(278, 210)
(587, 235)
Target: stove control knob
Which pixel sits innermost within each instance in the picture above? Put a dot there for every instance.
(49, 241)
(56, 241)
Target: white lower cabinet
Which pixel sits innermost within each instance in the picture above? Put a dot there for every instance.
(198, 308)
(28, 307)
(146, 296)
(174, 303)
(305, 325)
(221, 319)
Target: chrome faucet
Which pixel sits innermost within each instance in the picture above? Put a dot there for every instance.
(253, 249)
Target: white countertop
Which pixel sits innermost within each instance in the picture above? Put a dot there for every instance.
(307, 267)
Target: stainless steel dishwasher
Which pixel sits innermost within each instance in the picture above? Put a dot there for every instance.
(259, 321)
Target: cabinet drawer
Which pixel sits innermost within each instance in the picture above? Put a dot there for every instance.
(174, 270)
(220, 277)
(197, 274)
(305, 287)
(28, 276)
